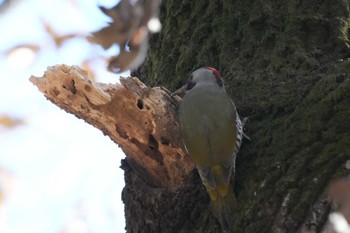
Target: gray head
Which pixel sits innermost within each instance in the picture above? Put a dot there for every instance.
(205, 76)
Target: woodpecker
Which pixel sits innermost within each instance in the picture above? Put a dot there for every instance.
(212, 134)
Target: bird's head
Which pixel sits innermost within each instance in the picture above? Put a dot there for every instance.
(202, 76)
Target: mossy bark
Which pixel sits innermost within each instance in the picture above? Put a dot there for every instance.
(286, 65)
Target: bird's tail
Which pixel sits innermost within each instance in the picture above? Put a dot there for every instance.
(222, 208)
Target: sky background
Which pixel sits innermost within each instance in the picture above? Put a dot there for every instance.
(62, 175)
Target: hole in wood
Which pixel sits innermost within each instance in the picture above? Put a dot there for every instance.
(152, 142)
(72, 88)
(152, 150)
(140, 104)
(164, 141)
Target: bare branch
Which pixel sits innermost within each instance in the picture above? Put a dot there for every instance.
(140, 119)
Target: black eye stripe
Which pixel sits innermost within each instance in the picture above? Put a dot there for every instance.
(190, 85)
(190, 82)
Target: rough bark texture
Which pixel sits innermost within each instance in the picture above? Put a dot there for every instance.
(286, 66)
(141, 120)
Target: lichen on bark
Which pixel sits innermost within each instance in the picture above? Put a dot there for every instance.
(286, 66)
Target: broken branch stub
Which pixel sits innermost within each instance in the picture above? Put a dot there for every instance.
(140, 119)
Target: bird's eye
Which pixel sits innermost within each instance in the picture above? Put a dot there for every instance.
(190, 85)
(190, 82)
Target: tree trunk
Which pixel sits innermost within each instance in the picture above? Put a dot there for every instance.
(286, 65)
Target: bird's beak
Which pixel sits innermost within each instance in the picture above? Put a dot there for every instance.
(180, 92)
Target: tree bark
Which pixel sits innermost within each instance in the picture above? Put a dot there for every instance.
(286, 66)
